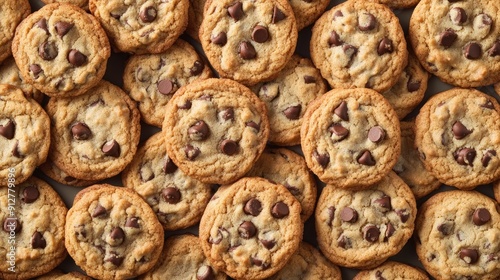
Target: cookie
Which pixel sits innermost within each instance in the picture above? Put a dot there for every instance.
(350, 137)
(456, 136)
(398, 4)
(11, 14)
(287, 168)
(182, 258)
(457, 236)
(152, 79)
(95, 135)
(55, 173)
(24, 135)
(84, 4)
(10, 74)
(496, 191)
(287, 97)
(61, 50)
(215, 130)
(409, 166)
(112, 233)
(308, 11)
(32, 238)
(250, 229)
(359, 45)
(144, 26)
(497, 87)
(195, 14)
(409, 90)
(59, 275)
(308, 264)
(177, 200)
(458, 40)
(361, 229)
(248, 40)
(392, 270)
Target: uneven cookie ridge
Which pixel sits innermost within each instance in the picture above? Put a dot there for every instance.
(392, 270)
(308, 11)
(58, 175)
(11, 14)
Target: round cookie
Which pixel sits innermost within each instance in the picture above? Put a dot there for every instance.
(112, 233)
(409, 166)
(24, 135)
(410, 89)
(55, 173)
(350, 137)
(95, 135)
(195, 14)
(182, 258)
(287, 97)
(358, 44)
(287, 168)
(397, 4)
(308, 264)
(10, 74)
(457, 137)
(215, 130)
(84, 4)
(152, 79)
(496, 191)
(248, 40)
(11, 14)
(177, 200)
(142, 26)
(308, 11)
(250, 229)
(457, 236)
(392, 270)
(458, 41)
(59, 275)
(32, 236)
(361, 229)
(61, 50)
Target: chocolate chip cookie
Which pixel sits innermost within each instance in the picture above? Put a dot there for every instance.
(112, 233)
(397, 4)
(250, 229)
(177, 200)
(308, 11)
(215, 130)
(496, 191)
(95, 135)
(61, 50)
(182, 258)
(458, 41)
(361, 229)
(457, 236)
(456, 136)
(248, 40)
(32, 238)
(152, 79)
(350, 137)
(287, 168)
(359, 44)
(392, 270)
(11, 75)
(287, 97)
(57, 174)
(24, 135)
(11, 14)
(59, 275)
(84, 4)
(143, 26)
(195, 12)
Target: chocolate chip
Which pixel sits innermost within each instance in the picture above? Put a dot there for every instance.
(235, 11)
(169, 167)
(278, 15)
(344, 242)
(148, 14)
(165, 86)
(366, 158)
(293, 190)
(385, 46)
(322, 159)
(366, 22)
(259, 262)
(341, 111)
(293, 112)
(495, 49)
(229, 147)
(378, 275)
(30, 194)
(334, 39)
(219, 39)
(331, 215)
(349, 51)
(115, 259)
(412, 85)
(482, 21)
(488, 105)
(191, 152)
(253, 207)
(8, 130)
(481, 216)
(260, 34)
(37, 241)
(269, 244)
(36, 70)
(197, 68)
(337, 14)
(389, 231)
(47, 50)
(349, 215)
(253, 125)
(485, 160)
(376, 134)
(447, 38)
(118, 235)
(371, 233)
(465, 156)
(171, 195)
(247, 230)
(111, 148)
(205, 272)
(99, 210)
(469, 255)
(459, 130)
(198, 131)
(76, 58)
(458, 16)
(227, 114)
(42, 24)
(384, 202)
(12, 224)
(446, 228)
(403, 215)
(309, 79)
(280, 210)
(132, 222)
(247, 51)
(63, 27)
(472, 50)
(339, 130)
(80, 131)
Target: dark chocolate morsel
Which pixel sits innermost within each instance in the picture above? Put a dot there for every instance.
(171, 195)
(341, 111)
(229, 147)
(367, 22)
(148, 14)
(458, 15)
(366, 158)
(111, 148)
(165, 86)
(235, 11)
(80, 131)
(459, 130)
(293, 112)
(465, 156)
(8, 130)
(334, 39)
(47, 50)
(37, 241)
(247, 51)
(205, 272)
(132, 222)
(349, 215)
(469, 255)
(260, 34)
(247, 230)
(76, 58)
(322, 159)
(191, 152)
(12, 225)
(481, 216)
(280, 210)
(472, 50)
(385, 46)
(220, 39)
(278, 15)
(63, 27)
(253, 207)
(447, 38)
(376, 134)
(371, 233)
(30, 194)
(99, 210)
(198, 131)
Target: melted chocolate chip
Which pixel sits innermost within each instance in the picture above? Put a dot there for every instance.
(389, 231)
(8, 130)
(385, 46)
(378, 275)
(341, 111)
(235, 11)
(47, 50)
(458, 16)
(412, 85)
(334, 39)
(37, 241)
(36, 70)
(488, 155)
(30, 194)
(459, 130)
(465, 156)
(118, 235)
(229, 147)
(191, 152)
(165, 86)
(293, 112)
(197, 68)
(269, 244)
(322, 159)
(260, 34)
(337, 14)
(446, 228)
(340, 131)
(80, 131)
(247, 51)
(469, 255)
(76, 58)
(366, 158)
(247, 230)
(403, 215)
(331, 215)
(114, 259)
(12, 224)
(148, 14)
(344, 242)
(367, 22)
(371, 233)
(171, 195)
(309, 79)
(481, 216)
(349, 215)
(280, 210)
(63, 27)
(132, 222)
(227, 114)
(205, 272)
(472, 51)
(99, 210)
(42, 24)
(495, 49)
(253, 125)
(447, 38)
(253, 207)
(169, 167)
(376, 134)
(278, 15)
(219, 39)
(198, 131)
(349, 51)
(111, 148)
(384, 202)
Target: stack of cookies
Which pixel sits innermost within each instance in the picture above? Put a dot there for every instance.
(211, 139)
